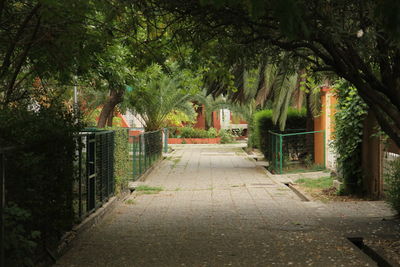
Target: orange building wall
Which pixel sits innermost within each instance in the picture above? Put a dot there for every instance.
(124, 123)
(325, 122)
(201, 120)
(216, 120)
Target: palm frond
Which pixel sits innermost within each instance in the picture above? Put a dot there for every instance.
(156, 96)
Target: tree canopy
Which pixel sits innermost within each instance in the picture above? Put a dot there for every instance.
(356, 40)
(156, 94)
(54, 40)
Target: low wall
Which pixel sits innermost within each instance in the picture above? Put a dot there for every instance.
(194, 140)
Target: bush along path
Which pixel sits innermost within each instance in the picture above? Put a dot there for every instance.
(216, 207)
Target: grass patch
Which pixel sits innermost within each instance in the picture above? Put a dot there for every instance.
(130, 202)
(322, 189)
(145, 189)
(319, 183)
(175, 161)
(302, 169)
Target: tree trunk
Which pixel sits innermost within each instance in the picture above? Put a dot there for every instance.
(110, 118)
(116, 97)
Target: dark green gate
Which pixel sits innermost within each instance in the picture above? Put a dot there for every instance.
(94, 184)
(293, 151)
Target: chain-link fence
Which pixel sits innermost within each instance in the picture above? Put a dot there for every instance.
(292, 151)
(146, 149)
(94, 168)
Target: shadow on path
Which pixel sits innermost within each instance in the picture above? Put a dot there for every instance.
(219, 209)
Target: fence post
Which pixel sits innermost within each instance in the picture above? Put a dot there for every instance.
(280, 153)
(324, 136)
(80, 175)
(276, 154)
(2, 206)
(134, 169)
(140, 154)
(165, 140)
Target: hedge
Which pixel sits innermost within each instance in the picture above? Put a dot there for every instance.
(122, 168)
(39, 178)
(263, 124)
(190, 132)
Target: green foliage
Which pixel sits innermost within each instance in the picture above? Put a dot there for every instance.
(226, 137)
(40, 171)
(311, 32)
(283, 87)
(20, 243)
(113, 68)
(212, 132)
(311, 85)
(177, 118)
(393, 182)
(157, 93)
(211, 104)
(145, 189)
(322, 183)
(189, 132)
(263, 123)
(253, 139)
(122, 168)
(349, 117)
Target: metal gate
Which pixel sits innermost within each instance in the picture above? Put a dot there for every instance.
(95, 171)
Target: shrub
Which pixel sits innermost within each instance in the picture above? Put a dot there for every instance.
(263, 124)
(20, 243)
(393, 181)
(189, 132)
(39, 174)
(122, 167)
(226, 137)
(173, 132)
(349, 118)
(212, 133)
(252, 140)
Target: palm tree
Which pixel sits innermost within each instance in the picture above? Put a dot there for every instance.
(156, 94)
(211, 104)
(274, 84)
(270, 82)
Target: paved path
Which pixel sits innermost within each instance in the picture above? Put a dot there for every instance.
(219, 209)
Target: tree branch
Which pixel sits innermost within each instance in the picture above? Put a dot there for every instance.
(22, 60)
(11, 48)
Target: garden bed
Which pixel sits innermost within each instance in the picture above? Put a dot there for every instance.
(216, 140)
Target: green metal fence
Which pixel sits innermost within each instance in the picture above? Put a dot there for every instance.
(3, 171)
(94, 168)
(146, 149)
(296, 151)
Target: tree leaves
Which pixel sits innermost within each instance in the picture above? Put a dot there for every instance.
(158, 93)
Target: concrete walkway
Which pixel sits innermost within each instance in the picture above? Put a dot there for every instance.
(219, 209)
